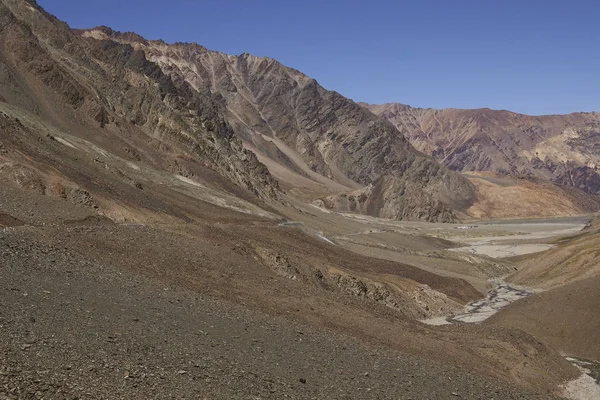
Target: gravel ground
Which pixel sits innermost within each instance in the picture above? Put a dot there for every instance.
(70, 328)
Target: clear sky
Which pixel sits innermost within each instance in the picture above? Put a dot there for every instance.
(530, 56)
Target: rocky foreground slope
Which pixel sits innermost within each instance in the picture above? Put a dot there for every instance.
(74, 328)
(563, 149)
(233, 305)
(565, 314)
(144, 250)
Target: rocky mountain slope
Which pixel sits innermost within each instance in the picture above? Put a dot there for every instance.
(512, 197)
(93, 123)
(75, 326)
(565, 317)
(237, 294)
(564, 149)
(564, 313)
(110, 94)
(310, 137)
(255, 123)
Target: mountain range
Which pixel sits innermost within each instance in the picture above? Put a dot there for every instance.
(309, 137)
(562, 149)
(179, 222)
(266, 127)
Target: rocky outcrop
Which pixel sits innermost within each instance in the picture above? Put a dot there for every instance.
(387, 196)
(564, 149)
(426, 302)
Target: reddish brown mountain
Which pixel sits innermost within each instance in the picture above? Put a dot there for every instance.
(564, 149)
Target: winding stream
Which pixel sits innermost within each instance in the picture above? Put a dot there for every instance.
(496, 299)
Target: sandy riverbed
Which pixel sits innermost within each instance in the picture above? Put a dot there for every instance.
(519, 238)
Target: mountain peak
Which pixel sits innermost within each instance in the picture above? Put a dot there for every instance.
(107, 33)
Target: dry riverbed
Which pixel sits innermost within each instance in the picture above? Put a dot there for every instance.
(518, 238)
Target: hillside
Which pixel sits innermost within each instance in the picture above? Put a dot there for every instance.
(565, 313)
(572, 259)
(314, 141)
(564, 317)
(501, 197)
(111, 95)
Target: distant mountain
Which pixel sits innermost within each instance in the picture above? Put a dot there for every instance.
(563, 149)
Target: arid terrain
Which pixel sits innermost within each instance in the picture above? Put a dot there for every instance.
(558, 148)
(251, 294)
(552, 156)
(180, 223)
(563, 315)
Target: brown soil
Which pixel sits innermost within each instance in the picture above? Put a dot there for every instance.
(503, 198)
(573, 259)
(75, 328)
(565, 317)
(8, 221)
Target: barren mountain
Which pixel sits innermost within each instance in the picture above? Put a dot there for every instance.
(310, 138)
(564, 149)
(513, 197)
(145, 250)
(113, 96)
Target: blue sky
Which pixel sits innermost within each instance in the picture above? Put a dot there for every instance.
(535, 57)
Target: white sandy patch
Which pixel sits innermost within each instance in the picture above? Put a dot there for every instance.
(497, 247)
(190, 181)
(100, 151)
(527, 231)
(225, 202)
(437, 321)
(133, 166)
(582, 388)
(324, 238)
(504, 250)
(323, 210)
(65, 142)
(302, 227)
